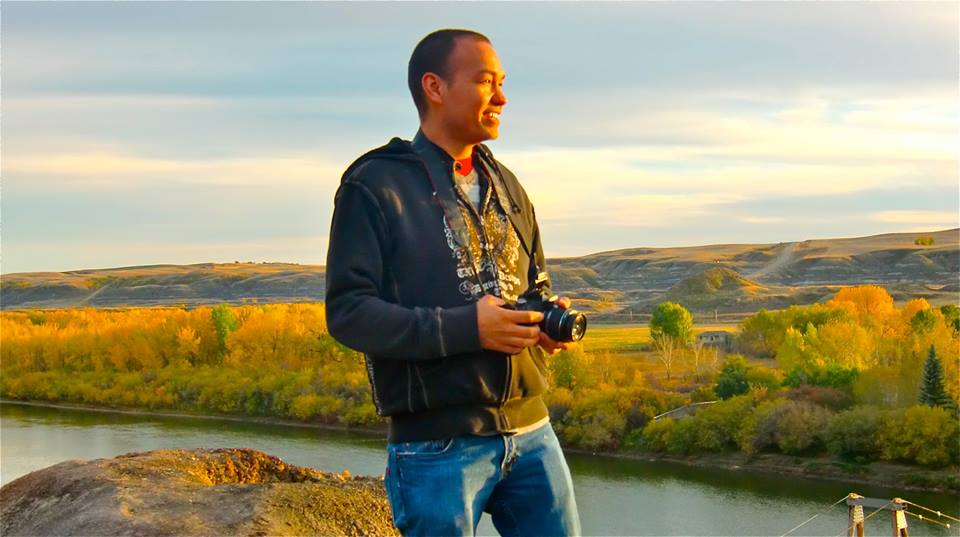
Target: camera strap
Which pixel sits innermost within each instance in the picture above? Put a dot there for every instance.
(497, 182)
(441, 179)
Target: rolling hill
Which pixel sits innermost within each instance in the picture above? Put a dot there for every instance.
(615, 285)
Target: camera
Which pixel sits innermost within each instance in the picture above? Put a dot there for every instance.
(558, 323)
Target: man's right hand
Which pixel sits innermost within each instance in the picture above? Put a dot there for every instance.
(505, 330)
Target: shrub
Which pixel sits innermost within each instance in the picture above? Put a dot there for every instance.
(757, 431)
(926, 435)
(832, 398)
(760, 377)
(559, 401)
(732, 379)
(682, 436)
(854, 432)
(655, 436)
(800, 427)
(702, 393)
(717, 424)
(830, 376)
(570, 369)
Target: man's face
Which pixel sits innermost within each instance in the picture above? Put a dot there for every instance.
(474, 92)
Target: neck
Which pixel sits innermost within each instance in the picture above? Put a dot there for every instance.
(455, 148)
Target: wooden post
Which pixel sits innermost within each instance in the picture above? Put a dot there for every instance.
(899, 519)
(855, 518)
(896, 506)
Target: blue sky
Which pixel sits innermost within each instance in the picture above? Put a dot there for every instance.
(176, 132)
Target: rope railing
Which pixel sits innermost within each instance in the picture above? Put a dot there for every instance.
(798, 526)
(920, 517)
(846, 531)
(855, 500)
(938, 513)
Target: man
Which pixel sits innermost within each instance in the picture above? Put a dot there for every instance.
(429, 239)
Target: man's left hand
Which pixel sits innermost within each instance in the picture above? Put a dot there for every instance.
(546, 342)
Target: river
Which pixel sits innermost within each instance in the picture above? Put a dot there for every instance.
(615, 496)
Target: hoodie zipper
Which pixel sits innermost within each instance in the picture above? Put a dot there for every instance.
(486, 249)
(478, 216)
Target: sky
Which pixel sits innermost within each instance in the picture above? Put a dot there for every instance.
(138, 133)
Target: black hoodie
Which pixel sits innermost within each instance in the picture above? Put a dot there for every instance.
(408, 258)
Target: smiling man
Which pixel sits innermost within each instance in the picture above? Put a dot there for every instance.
(429, 240)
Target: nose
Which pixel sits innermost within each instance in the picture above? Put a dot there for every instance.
(499, 98)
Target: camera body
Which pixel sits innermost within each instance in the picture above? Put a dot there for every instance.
(559, 323)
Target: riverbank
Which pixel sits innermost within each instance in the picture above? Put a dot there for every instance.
(882, 474)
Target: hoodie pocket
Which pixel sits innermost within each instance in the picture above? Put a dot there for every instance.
(464, 379)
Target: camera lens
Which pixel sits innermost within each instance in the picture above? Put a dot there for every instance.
(564, 325)
(578, 325)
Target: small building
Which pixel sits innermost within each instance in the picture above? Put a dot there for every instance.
(716, 338)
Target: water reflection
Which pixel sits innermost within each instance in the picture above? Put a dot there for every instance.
(616, 496)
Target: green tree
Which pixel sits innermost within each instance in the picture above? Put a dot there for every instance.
(951, 314)
(761, 333)
(224, 321)
(732, 379)
(923, 321)
(571, 369)
(672, 320)
(931, 387)
(671, 328)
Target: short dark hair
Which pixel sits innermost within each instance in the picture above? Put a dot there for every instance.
(430, 56)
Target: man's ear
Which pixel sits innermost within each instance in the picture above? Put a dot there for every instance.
(434, 87)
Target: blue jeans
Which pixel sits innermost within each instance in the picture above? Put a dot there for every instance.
(442, 487)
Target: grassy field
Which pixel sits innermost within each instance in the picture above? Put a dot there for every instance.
(621, 353)
(617, 338)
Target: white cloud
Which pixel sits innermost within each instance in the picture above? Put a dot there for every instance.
(72, 255)
(112, 169)
(924, 218)
(760, 220)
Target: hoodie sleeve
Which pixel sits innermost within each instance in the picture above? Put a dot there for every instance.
(357, 316)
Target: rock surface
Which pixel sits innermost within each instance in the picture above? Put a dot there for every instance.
(192, 492)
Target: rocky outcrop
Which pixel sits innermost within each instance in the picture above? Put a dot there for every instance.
(192, 492)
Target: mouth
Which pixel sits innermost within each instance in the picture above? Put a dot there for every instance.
(492, 116)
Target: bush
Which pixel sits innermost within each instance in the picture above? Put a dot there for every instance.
(702, 394)
(717, 424)
(732, 379)
(829, 376)
(760, 377)
(926, 435)
(793, 426)
(570, 369)
(758, 430)
(596, 421)
(854, 432)
(559, 402)
(800, 427)
(832, 398)
(682, 436)
(654, 437)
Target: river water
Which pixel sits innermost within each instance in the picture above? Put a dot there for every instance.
(615, 496)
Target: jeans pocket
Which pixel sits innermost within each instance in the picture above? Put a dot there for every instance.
(425, 448)
(391, 483)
